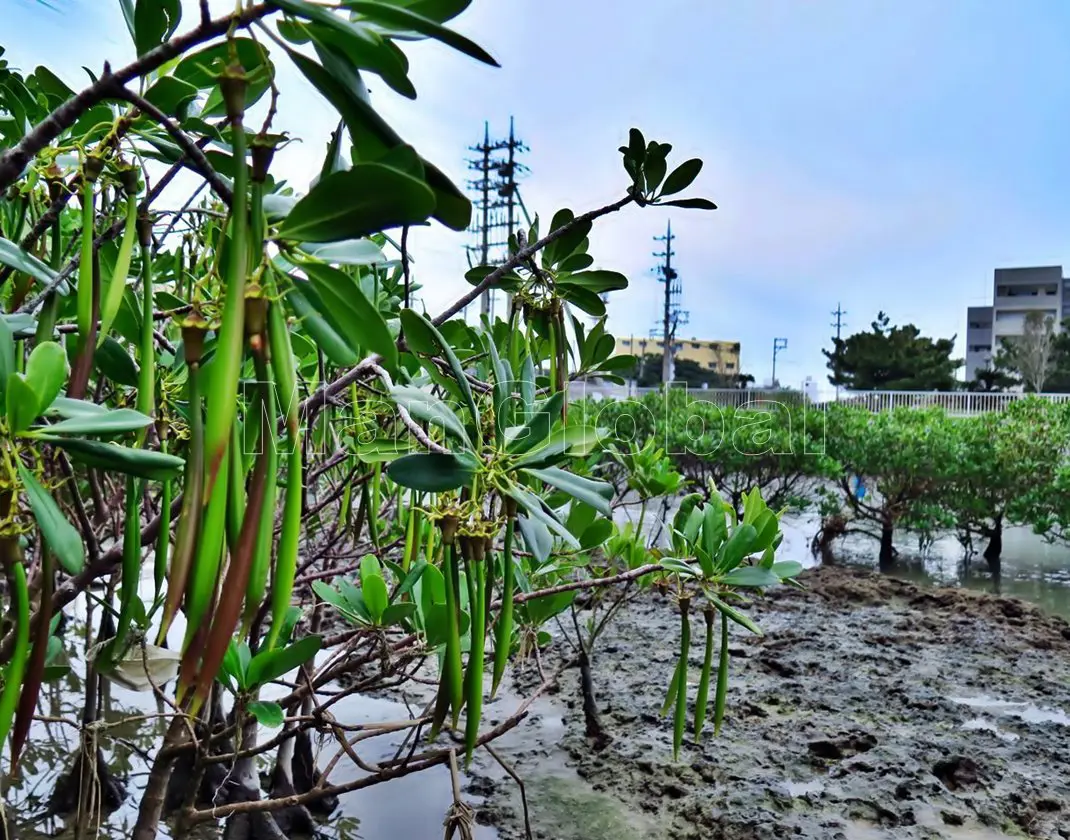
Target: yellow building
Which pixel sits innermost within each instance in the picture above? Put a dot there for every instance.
(717, 356)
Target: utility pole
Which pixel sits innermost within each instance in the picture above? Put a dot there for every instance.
(672, 316)
(496, 198)
(839, 324)
(778, 345)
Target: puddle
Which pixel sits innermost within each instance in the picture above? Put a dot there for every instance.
(799, 789)
(981, 724)
(1026, 712)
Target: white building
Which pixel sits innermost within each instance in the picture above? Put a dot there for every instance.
(1015, 293)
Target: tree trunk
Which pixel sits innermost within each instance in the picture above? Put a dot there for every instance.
(152, 801)
(887, 555)
(595, 731)
(995, 544)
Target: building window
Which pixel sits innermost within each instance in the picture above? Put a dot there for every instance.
(730, 366)
(980, 348)
(711, 365)
(695, 345)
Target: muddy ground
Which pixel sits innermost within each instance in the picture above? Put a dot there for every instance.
(870, 709)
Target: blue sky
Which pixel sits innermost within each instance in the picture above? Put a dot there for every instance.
(885, 155)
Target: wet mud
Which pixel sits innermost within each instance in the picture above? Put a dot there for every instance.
(871, 709)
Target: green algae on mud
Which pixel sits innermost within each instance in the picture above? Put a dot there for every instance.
(844, 721)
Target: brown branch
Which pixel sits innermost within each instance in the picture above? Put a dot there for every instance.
(192, 151)
(17, 158)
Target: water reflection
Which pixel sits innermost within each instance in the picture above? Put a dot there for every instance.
(1030, 568)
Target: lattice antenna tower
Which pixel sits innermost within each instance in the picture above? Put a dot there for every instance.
(497, 201)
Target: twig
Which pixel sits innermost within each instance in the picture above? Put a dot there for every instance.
(191, 149)
(519, 783)
(406, 418)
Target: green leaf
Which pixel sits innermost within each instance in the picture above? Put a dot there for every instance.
(62, 537)
(597, 494)
(7, 359)
(143, 463)
(397, 613)
(440, 10)
(372, 136)
(735, 615)
(154, 22)
(104, 423)
(636, 145)
(595, 281)
(127, 7)
(376, 597)
(336, 599)
(418, 337)
(369, 568)
(540, 610)
(585, 299)
(456, 367)
(596, 534)
(14, 257)
(397, 18)
(368, 51)
(366, 199)
(267, 713)
(322, 333)
(751, 576)
(115, 363)
(383, 450)
(690, 204)
(537, 538)
(535, 507)
(347, 252)
(46, 372)
(574, 441)
(201, 69)
(787, 569)
(424, 406)
(361, 322)
(682, 176)
(537, 429)
(171, 95)
(737, 547)
(269, 665)
(433, 472)
(22, 405)
(65, 407)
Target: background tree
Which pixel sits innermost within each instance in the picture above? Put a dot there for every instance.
(1004, 458)
(991, 379)
(1029, 357)
(904, 459)
(687, 371)
(889, 358)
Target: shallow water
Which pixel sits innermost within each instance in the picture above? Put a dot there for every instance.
(1031, 568)
(410, 806)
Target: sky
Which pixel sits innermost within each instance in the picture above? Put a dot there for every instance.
(876, 154)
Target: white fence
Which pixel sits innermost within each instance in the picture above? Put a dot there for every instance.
(959, 403)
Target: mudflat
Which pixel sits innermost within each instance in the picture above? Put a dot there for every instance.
(870, 709)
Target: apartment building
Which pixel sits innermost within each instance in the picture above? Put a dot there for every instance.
(717, 356)
(1015, 293)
